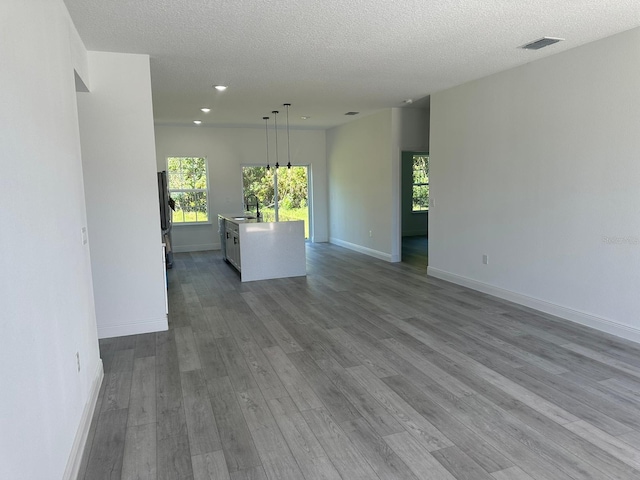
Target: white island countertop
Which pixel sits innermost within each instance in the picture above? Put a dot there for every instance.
(270, 249)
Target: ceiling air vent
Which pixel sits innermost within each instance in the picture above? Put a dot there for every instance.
(352, 113)
(543, 42)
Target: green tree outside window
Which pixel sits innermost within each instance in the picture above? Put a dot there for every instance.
(188, 186)
(420, 183)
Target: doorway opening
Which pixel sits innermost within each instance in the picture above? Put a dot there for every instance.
(415, 208)
(283, 193)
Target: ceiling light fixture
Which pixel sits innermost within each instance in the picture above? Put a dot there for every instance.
(408, 101)
(220, 88)
(205, 109)
(305, 117)
(266, 131)
(288, 144)
(197, 122)
(352, 113)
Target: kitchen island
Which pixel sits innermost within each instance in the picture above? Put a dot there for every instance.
(263, 250)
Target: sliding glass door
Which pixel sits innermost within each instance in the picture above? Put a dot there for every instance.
(283, 193)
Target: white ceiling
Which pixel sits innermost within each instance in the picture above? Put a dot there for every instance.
(328, 57)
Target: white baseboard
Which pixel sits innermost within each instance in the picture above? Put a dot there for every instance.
(576, 316)
(82, 434)
(359, 248)
(196, 248)
(108, 331)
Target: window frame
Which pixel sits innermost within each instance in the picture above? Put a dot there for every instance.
(419, 184)
(206, 190)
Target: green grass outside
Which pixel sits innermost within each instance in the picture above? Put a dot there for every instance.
(189, 217)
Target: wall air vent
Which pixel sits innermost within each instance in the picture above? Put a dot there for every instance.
(541, 43)
(352, 113)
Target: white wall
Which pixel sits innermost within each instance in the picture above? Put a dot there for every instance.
(118, 154)
(226, 150)
(411, 133)
(538, 167)
(45, 287)
(411, 127)
(364, 167)
(360, 184)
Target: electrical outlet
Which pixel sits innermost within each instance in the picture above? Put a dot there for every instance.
(78, 360)
(370, 234)
(85, 239)
(485, 259)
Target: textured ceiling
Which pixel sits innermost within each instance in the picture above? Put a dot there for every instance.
(328, 57)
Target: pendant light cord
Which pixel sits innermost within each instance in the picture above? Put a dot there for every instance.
(275, 123)
(266, 131)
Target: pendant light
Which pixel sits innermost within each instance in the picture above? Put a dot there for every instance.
(275, 123)
(288, 144)
(266, 131)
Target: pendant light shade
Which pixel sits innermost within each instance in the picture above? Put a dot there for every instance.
(275, 127)
(266, 131)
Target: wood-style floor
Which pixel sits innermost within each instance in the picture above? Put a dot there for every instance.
(361, 370)
(415, 251)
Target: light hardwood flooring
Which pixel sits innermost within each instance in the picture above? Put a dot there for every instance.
(362, 370)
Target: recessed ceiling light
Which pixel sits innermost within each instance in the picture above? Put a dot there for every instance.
(305, 117)
(205, 109)
(197, 122)
(220, 88)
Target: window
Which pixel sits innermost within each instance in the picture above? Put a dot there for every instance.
(420, 183)
(188, 187)
(283, 193)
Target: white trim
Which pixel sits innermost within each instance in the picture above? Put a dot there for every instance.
(150, 326)
(195, 248)
(582, 318)
(82, 434)
(367, 251)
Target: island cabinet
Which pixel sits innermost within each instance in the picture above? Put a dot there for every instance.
(233, 244)
(263, 250)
